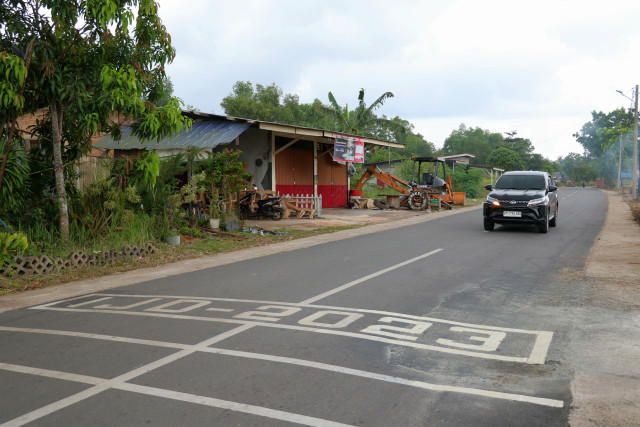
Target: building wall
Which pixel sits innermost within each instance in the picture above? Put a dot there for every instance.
(89, 167)
(255, 145)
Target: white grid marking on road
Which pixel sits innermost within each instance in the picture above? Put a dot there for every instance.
(101, 384)
(313, 329)
(203, 347)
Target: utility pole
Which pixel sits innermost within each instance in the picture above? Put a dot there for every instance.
(635, 148)
(619, 180)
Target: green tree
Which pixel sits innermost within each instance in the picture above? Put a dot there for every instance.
(603, 130)
(476, 141)
(539, 163)
(91, 59)
(505, 158)
(263, 103)
(579, 168)
(360, 119)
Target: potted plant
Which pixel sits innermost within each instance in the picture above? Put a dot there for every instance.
(172, 214)
(214, 208)
(173, 211)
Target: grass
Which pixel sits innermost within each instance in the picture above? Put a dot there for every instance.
(165, 254)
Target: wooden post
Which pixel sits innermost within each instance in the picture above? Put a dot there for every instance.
(273, 161)
(315, 168)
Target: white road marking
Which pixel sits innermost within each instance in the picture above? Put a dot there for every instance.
(312, 329)
(327, 307)
(365, 278)
(68, 401)
(94, 336)
(539, 353)
(260, 318)
(540, 348)
(101, 384)
(89, 302)
(204, 347)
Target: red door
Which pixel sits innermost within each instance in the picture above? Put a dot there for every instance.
(332, 182)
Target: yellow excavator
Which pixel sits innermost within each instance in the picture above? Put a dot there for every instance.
(423, 187)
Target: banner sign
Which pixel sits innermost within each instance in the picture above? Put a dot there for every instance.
(348, 149)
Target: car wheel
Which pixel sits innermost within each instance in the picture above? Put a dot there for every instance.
(553, 222)
(544, 227)
(488, 226)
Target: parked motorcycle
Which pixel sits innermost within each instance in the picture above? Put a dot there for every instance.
(269, 208)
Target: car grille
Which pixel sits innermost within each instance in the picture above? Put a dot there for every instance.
(514, 202)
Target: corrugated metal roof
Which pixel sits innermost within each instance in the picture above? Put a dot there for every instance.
(203, 134)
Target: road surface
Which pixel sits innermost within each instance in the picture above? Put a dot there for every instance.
(438, 323)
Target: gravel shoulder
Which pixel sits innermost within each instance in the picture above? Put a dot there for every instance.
(605, 336)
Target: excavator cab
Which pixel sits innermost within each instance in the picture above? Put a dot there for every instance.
(428, 179)
(430, 186)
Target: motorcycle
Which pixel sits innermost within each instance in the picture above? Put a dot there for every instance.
(270, 208)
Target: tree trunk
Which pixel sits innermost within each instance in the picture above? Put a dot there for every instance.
(55, 109)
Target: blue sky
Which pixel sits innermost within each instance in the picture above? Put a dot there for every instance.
(538, 68)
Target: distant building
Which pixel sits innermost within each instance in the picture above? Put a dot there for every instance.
(460, 158)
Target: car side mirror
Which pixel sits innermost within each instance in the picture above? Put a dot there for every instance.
(488, 187)
(553, 188)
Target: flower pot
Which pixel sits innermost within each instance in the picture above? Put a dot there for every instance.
(173, 240)
(214, 223)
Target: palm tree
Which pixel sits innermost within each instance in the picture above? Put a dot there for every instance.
(356, 121)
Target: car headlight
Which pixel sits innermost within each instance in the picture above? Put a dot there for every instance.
(493, 201)
(536, 202)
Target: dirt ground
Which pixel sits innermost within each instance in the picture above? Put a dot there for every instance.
(335, 217)
(606, 337)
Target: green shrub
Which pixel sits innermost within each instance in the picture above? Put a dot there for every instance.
(11, 245)
(469, 181)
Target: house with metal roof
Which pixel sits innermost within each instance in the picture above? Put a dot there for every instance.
(290, 159)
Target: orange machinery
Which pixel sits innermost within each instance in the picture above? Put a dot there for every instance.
(423, 187)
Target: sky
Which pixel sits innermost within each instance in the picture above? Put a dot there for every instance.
(537, 68)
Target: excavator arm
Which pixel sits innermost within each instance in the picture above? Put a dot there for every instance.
(385, 177)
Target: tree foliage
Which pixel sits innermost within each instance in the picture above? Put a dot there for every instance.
(506, 159)
(604, 130)
(476, 141)
(356, 121)
(91, 59)
(15, 185)
(605, 138)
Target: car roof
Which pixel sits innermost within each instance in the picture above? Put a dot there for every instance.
(525, 173)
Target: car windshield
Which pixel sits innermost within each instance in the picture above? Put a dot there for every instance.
(521, 182)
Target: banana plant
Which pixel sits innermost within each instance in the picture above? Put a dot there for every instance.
(356, 121)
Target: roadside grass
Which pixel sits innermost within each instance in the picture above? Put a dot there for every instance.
(190, 248)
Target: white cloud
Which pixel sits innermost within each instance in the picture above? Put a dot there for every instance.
(539, 68)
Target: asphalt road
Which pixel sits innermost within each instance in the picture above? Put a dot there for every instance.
(439, 323)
